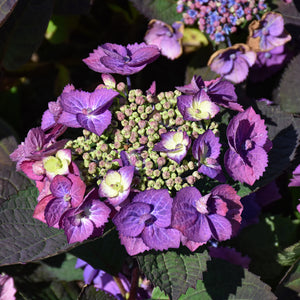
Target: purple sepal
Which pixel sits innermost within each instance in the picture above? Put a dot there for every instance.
(80, 223)
(200, 218)
(197, 107)
(233, 62)
(246, 158)
(295, 181)
(113, 58)
(175, 144)
(268, 32)
(221, 92)
(148, 217)
(133, 245)
(167, 38)
(206, 149)
(87, 110)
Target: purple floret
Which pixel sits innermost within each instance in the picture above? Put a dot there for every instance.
(268, 32)
(246, 159)
(145, 223)
(167, 38)
(85, 221)
(87, 110)
(233, 62)
(124, 60)
(206, 149)
(200, 218)
(221, 92)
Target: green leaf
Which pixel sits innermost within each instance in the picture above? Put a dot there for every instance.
(290, 287)
(289, 255)
(173, 272)
(290, 12)
(105, 253)
(284, 131)
(72, 7)
(164, 10)
(90, 293)
(66, 271)
(22, 34)
(263, 241)
(226, 281)
(6, 8)
(157, 294)
(289, 89)
(10, 181)
(23, 238)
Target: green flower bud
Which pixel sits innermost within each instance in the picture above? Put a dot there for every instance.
(149, 110)
(191, 165)
(121, 86)
(158, 106)
(178, 180)
(178, 187)
(156, 173)
(86, 156)
(160, 96)
(151, 183)
(166, 175)
(92, 168)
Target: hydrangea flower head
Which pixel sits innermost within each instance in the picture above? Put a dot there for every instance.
(233, 62)
(145, 223)
(124, 60)
(115, 185)
(246, 159)
(214, 216)
(175, 144)
(167, 38)
(87, 110)
(295, 181)
(197, 108)
(206, 149)
(267, 33)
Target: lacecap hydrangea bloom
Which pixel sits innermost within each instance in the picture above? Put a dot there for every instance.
(140, 157)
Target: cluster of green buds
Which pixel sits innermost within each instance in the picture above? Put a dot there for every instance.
(138, 122)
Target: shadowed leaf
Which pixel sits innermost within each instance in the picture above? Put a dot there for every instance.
(172, 272)
(90, 292)
(289, 255)
(24, 32)
(289, 89)
(164, 10)
(232, 282)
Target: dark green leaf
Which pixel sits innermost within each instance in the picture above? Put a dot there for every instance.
(263, 241)
(289, 255)
(164, 10)
(24, 32)
(104, 253)
(226, 281)
(173, 272)
(290, 287)
(90, 292)
(290, 12)
(65, 272)
(284, 131)
(289, 90)
(6, 8)
(23, 238)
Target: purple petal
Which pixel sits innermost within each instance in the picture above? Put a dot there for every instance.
(69, 120)
(221, 230)
(95, 123)
(98, 212)
(60, 186)
(100, 100)
(54, 210)
(93, 61)
(77, 229)
(158, 238)
(130, 221)
(144, 55)
(161, 202)
(133, 245)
